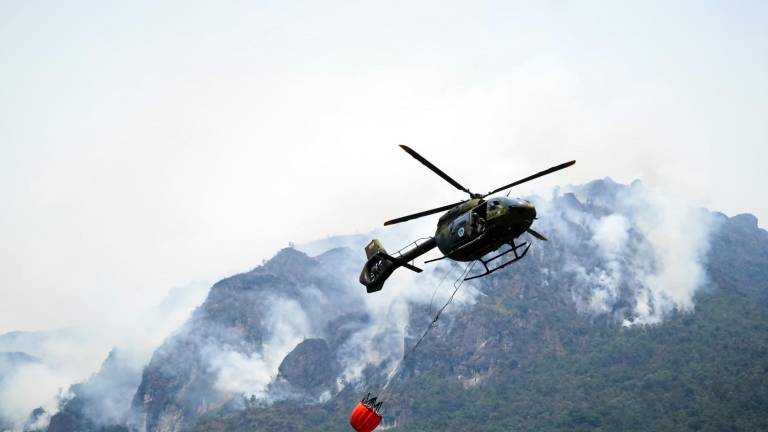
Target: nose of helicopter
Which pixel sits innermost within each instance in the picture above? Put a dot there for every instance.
(523, 209)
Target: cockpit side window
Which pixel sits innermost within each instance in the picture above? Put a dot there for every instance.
(458, 227)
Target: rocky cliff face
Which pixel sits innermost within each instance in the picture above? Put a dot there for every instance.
(638, 314)
(250, 330)
(311, 365)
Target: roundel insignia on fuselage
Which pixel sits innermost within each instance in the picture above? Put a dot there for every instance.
(461, 232)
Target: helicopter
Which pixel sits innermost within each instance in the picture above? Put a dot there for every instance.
(468, 231)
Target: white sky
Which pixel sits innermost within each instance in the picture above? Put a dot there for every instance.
(143, 146)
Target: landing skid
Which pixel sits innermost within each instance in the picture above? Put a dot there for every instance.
(518, 256)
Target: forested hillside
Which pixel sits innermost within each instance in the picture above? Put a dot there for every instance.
(637, 315)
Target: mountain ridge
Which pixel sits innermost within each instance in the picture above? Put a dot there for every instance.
(564, 327)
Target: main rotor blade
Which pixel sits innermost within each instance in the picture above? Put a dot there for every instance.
(424, 213)
(435, 169)
(535, 176)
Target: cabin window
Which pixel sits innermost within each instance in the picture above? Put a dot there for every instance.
(459, 227)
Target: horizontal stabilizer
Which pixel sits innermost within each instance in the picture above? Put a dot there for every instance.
(434, 259)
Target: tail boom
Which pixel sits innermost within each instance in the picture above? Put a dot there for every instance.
(380, 265)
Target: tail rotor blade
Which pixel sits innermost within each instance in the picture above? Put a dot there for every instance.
(400, 262)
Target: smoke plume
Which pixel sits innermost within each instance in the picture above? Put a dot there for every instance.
(67, 357)
(649, 249)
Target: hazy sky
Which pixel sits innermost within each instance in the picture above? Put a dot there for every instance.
(144, 145)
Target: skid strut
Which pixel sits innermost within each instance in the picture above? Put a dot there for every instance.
(514, 249)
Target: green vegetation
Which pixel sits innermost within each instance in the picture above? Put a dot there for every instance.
(704, 371)
(523, 359)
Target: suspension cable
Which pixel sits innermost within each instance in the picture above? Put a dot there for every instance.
(456, 286)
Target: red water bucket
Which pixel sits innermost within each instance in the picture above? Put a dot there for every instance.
(364, 418)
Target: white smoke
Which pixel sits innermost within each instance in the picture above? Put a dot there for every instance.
(611, 235)
(70, 356)
(28, 387)
(383, 340)
(287, 324)
(650, 249)
(678, 236)
(62, 358)
(377, 333)
(631, 253)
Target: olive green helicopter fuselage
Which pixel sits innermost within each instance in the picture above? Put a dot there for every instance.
(478, 227)
(468, 231)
